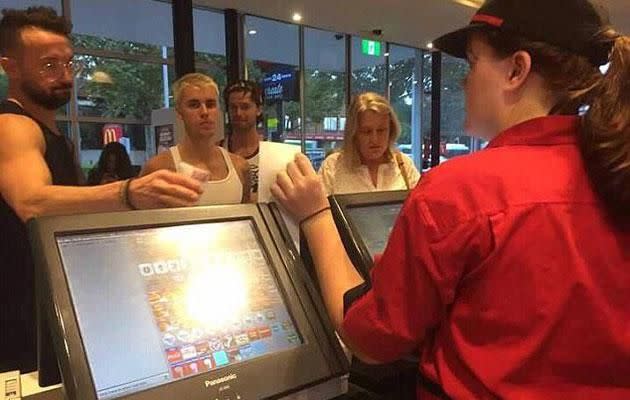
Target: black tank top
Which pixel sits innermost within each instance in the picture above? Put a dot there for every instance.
(17, 289)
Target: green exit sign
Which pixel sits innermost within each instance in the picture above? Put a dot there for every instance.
(371, 47)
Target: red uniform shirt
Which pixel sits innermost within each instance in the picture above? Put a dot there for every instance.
(505, 274)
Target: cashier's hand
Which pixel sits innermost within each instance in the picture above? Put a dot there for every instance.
(299, 189)
(164, 188)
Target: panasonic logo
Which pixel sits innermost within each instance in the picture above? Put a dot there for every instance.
(221, 380)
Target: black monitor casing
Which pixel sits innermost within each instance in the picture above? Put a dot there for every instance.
(395, 380)
(350, 235)
(271, 376)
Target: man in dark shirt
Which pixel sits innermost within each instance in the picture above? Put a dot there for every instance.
(39, 175)
(244, 101)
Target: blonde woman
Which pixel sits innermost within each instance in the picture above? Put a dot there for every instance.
(369, 160)
(197, 106)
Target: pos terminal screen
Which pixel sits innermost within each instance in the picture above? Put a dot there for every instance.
(375, 223)
(159, 304)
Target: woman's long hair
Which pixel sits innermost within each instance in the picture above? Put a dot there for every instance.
(367, 101)
(122, 169)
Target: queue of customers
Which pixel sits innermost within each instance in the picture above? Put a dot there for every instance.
(40, 175)
(506, 272)
(367, 161)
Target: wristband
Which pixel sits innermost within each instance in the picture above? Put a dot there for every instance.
(313, 215)
(125, 194)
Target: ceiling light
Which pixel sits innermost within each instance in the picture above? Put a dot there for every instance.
(470, 3)
(297, 17)
(430, 45)
(102, 77)
(252, 32)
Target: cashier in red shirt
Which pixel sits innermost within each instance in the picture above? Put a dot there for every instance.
(507, 270)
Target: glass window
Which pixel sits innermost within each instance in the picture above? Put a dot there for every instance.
(133, 27)
(113, 88)
(124, 47)
(94, 136)
(22, 4)
(209, 34)
(406, 95)
(368, 66)
(454, 141)
(272, 55)
(325, 94)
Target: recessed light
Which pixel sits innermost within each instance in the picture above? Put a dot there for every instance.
(252, 32)
(429, 45)
(297, 17)
(102, 77)
(470, 3)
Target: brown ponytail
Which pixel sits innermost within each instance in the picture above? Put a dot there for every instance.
(605, 136)
(605, 140)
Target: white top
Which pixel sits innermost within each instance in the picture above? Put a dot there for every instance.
(252, 160)
(339, 178)
(228, 190)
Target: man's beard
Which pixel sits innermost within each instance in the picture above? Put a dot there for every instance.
(50, 101)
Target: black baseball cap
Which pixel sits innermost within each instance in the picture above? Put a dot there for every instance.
(571, 25)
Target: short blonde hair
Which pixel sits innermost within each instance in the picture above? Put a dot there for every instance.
(193, 79)
(368, 101)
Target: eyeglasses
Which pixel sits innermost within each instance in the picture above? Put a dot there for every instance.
(54, 69)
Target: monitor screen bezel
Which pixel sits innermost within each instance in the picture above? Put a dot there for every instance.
(75, 369)
(350, 234)
(271, 211)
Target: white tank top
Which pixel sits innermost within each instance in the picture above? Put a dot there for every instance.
(228, 190)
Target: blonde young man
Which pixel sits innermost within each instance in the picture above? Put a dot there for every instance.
(197, 106)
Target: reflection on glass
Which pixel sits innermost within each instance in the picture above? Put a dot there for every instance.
(209, 29)
(94, 136)
(324, 93)
(216, 308)
(141, 27)
(272, 60)
(115, 88)
(368, 66)
(21, 4)
(454, 141)
(406, 95)
(375, 224)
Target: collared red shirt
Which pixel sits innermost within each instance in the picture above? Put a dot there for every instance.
(505, 275)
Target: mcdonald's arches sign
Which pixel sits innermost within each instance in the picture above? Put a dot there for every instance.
(112, 133)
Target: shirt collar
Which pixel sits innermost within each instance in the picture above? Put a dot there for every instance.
(550, 130)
